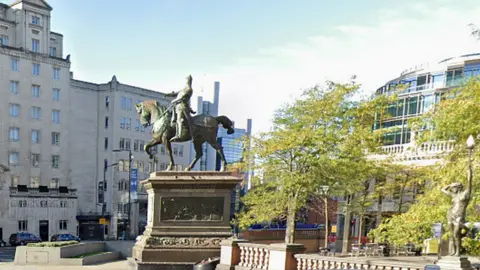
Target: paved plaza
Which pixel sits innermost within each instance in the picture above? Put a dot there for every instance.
(117, 265)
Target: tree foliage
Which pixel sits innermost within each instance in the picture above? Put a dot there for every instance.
(319, 139)
(455, 118)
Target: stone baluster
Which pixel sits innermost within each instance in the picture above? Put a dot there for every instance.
(243, 256)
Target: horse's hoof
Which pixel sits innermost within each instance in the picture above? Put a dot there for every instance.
(150, 157)
(169, 168)
(187, 169)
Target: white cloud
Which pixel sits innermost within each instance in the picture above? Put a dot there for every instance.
(399, 39)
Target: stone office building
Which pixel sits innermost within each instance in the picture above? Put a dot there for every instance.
(110, 122)
(57, 137)
(36, 194)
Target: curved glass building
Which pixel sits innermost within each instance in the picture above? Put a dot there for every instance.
(426, 86)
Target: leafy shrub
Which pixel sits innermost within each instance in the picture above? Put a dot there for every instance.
(52, 244)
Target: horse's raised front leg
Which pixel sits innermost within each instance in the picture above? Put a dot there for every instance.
(198, 154)
(168, 146)
(149, 145)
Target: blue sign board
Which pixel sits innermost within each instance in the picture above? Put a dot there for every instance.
(133, 183)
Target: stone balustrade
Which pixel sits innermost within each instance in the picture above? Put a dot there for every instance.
(317, 262)
(254, 256)
(411, 151)
(239, 254)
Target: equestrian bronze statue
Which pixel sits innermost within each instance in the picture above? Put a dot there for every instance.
(180, 126)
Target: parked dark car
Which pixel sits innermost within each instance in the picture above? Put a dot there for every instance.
(2, 243)
(64, 237)
(23, 238)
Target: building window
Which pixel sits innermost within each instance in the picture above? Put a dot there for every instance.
(54, 183)
(55, 138)
(141, 167)
(13, 158)
(56, 94)
(22, 203)
(44, 204)
(56, 73)
(135, 145)
(126, 103)
(4, 40)
(14, 109)
(34, 182)
(135, 164)
(142, 146)
(106, 143)
(162, 149)
(23, 225)
(14, 134)
(137, 125)
(128, 123)
(35, 112)
(35, 136)
(35, 45)
(14, 64)
(127, 144)
(35, 160)
(36, 20)
(150, 166)
(36, 69)
(36, 91)
(175, 150)
(180, 150)
(63, 225)
(55, 161)
(14, 87)
(126, 166)
(122, 123)
(120, 165)
(14, 181)
(53, 51)
(106, 121)
(55, 116)
(122, 144)
(120, 185)
(107, 101)
(63, 204)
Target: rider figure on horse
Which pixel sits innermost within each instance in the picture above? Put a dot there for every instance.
(181, 110)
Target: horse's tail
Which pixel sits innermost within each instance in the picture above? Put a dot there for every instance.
(226, 123)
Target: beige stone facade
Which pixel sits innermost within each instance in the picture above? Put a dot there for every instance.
(110, 122)
(57, 134)
(36, 194)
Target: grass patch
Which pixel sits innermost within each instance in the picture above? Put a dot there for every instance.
(88, 254)
(52, 244)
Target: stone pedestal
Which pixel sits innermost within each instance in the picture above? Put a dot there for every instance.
(230, 254)
(188, 217)
(454, 263)
(282, 256)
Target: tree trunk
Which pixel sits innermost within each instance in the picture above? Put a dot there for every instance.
(326, 222)
(290, 230)
(360, 229)
(379, 214)
(346, 231)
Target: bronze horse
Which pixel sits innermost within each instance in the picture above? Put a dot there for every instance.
(203, 128)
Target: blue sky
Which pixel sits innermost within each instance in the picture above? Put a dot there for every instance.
(263, 52)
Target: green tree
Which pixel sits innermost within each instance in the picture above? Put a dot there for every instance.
(319, 139)
(453, 120)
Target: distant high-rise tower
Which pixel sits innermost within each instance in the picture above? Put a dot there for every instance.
(207, 162)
